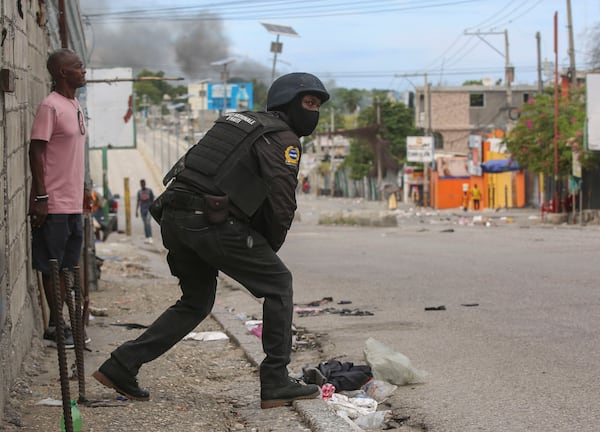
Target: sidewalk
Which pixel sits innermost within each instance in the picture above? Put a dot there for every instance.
(196, 386)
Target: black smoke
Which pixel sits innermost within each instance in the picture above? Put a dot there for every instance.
(178, 48)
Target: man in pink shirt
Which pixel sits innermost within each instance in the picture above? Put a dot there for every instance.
(56, 158)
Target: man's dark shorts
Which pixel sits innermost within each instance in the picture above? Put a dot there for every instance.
(60, 238)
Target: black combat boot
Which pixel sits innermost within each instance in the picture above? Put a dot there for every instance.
(272, 396)
(113, 375)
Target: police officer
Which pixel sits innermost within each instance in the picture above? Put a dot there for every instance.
(228, 206)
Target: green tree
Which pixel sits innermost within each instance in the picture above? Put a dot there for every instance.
(348, 99)
(360, 159)
(472, 82)
(532, 142)
(259, 94)
(397, 122)
(152, 91)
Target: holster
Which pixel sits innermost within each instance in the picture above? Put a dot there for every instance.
(157, 207)
(216, 208)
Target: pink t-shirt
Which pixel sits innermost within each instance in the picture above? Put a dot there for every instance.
(57, 122)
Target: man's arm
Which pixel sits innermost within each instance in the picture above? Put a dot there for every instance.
(280, 172)
(36, 151)
(38, 201)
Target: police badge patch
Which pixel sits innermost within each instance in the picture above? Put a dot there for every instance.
(292, 155)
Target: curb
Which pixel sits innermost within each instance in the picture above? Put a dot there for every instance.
(314, 412)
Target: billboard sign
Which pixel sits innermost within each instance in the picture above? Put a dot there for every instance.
(593, 111)
(475, 153)
(109, 110)
(239, 97)
(419, 149)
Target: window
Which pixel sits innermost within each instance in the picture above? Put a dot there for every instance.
(525, 97)
(476, 100)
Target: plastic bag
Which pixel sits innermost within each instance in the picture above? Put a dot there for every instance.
(378, 389)
(391, 366)
(372, 420)
(352, 407)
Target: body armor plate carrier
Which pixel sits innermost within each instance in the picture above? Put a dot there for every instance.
(218, 162)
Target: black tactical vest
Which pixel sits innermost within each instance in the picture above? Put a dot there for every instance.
(218, 163)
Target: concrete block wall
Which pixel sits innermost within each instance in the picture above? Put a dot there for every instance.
(24, 52)
(450, 117)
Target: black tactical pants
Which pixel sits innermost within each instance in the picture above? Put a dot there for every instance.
(197, 251)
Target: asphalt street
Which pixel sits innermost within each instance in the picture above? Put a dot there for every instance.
(523, 357)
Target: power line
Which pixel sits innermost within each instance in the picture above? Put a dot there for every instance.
(259, 10)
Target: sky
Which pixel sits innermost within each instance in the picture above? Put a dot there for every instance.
(376, 44)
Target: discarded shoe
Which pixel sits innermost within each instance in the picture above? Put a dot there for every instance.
(50, 337)
(112, 375)
(271, 397)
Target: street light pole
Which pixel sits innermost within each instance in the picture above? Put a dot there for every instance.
(276, 47)
(556, 82)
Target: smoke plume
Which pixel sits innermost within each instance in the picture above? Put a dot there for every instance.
(178, 48)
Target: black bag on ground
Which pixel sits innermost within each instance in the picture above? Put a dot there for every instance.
(344, 376)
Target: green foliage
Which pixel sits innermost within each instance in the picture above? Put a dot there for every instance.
(259, 93)
(359, 160)
(325, 123)
(472, 82)
(398, 122)
(153, 91)
(348, 99)
(532, 141)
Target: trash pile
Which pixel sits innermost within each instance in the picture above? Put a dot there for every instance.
(301, 339)
(355, 392)
(318, 307)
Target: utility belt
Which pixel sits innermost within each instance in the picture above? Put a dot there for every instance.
(215, 208)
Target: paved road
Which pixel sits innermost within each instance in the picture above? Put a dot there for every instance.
(525, 359)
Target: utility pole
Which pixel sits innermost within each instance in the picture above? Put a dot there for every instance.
(571, 50)
(539, 62)
(378, 143)
(427, 97)
(427, 127)
(509, 70)
(556, 112)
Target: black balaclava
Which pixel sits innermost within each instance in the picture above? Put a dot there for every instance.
(303, 121)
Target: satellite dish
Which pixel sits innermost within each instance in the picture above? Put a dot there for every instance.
(487, 81)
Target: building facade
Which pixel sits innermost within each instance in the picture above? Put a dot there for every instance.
(30, 31)
(454, 113)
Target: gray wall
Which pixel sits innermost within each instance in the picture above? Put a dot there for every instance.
(24, 52)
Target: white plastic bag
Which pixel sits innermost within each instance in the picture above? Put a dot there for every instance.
(391, 366)
(372, 420)
(378, 389)
(352, 407)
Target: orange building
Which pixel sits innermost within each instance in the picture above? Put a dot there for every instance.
(503, 188)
